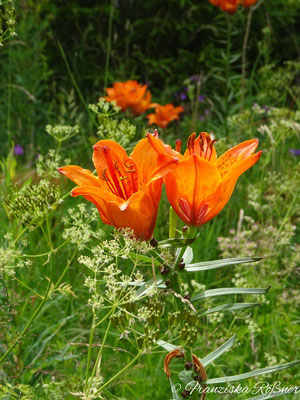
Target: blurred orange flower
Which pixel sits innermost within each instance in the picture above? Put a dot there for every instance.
(164, 115)
(230, 6)
(249, 3)
(130, 94)
(127, 189)
(201, 184)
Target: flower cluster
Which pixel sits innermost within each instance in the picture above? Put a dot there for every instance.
(31, 203)
(46, 166)
(11, 257)
(78, 226)
(62, 132)
(121, 131)
(164, 115)
(127, 189)
(135, 96)
(230, 6)
(130, 94)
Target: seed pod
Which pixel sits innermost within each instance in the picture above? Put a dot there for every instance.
(188, 365)
(185, 394)
(181, 265)
(153, 242)
(165, 271)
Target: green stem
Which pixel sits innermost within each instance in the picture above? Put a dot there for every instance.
(32, 318)
(66, 269)
(108, 46)
(29, 288)
(90, 352)
(244, 55)
(98, 356)
(119, 373)
(228, 50)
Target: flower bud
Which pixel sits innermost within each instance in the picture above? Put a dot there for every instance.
(153, 242)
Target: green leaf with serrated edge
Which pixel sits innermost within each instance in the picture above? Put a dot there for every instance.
(218, 352)
(230, 307)
(206, 265)
(177, 242)
(167, 346)
(250, 374)
(175, 395)
(269, 396)
(224, 291)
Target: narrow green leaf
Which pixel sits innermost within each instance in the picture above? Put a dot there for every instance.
(269, 396)
(174, 391)
(218, 352)
(146, 286)
(250, 374)
(225, 291)
(230, 307)
(146, 259)
(187, 256)
(167, 346)
(177, 242)
(204, 266)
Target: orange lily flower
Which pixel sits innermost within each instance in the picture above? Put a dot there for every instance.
(164, 115)
(201, 184)
(127, 189)
(249, 3)
(130, 94)
(230, 6)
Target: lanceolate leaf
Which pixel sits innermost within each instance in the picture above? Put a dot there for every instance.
(177, 242)
(203, 266)
(230, 307)
(269, 396)
(218, 352)
(145, 287)
(145, 259)
(223, 291)
(250, 374)
(175, 395)
(165, 345)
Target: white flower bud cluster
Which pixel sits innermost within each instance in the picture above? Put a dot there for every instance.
(47, 165)
(11, 257)
(78, 225)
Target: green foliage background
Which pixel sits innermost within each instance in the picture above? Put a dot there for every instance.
(53, 68)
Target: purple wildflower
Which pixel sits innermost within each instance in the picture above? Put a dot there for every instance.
(18, 150)
(266, 108)
(206, 111)
(201, 98)
(182, 96)
(202, 118)
(295, 152)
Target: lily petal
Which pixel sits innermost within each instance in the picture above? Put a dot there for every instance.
(235, 156)
(191, 186)
(139, 213)
(82, 177)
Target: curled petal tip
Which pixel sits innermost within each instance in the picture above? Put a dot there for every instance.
(61, 170)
